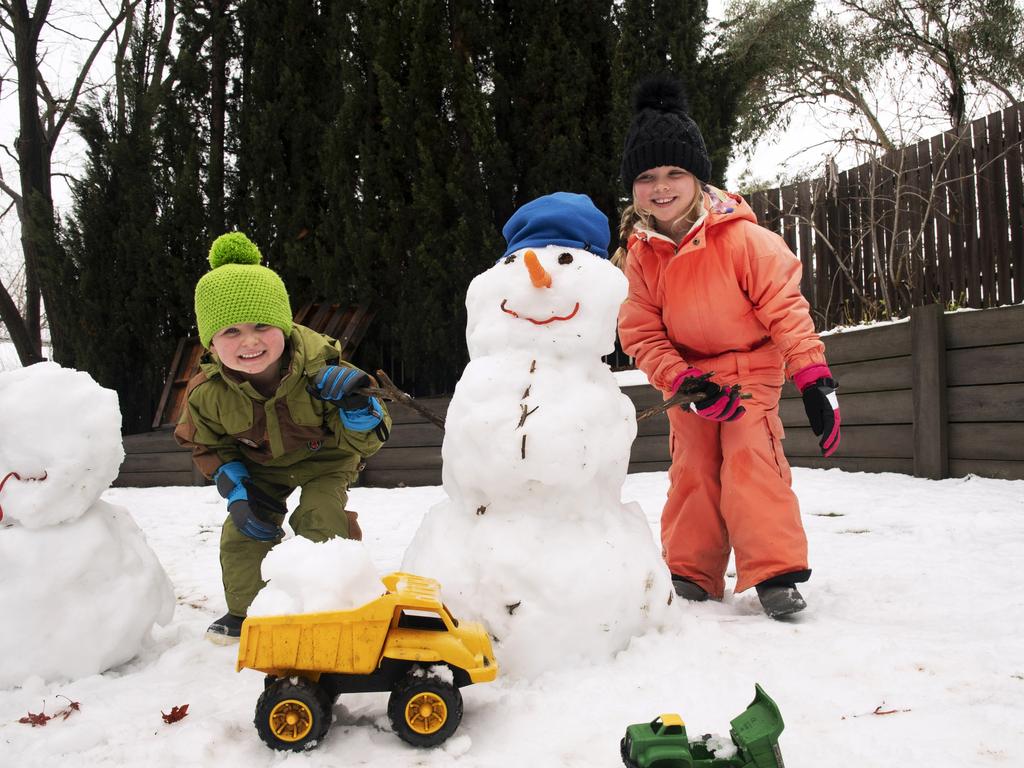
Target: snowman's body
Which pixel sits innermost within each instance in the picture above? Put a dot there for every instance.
(528, 419)
(80, 589)
(534, 537)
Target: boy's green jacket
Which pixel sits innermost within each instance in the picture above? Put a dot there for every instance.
(225, 419)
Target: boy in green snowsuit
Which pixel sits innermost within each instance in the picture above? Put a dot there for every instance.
(273, 408)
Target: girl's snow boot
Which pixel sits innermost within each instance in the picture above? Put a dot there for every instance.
(687, 590)
(780, 600)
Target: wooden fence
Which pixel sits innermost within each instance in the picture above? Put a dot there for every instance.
(938, 395)
(941, 221)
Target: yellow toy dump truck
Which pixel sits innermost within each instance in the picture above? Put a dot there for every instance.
(405, 642)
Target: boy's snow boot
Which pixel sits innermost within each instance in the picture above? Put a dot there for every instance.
(687, 590)
(225, 630)
(780, 600)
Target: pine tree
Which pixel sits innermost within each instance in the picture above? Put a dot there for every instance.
(662, 36)
(552, 97)
(282, 120)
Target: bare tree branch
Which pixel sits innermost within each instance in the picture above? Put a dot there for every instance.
(127, 6)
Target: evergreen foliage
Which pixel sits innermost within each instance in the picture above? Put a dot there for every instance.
(372, 151)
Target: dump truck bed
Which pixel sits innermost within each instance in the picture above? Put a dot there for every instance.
(344, 642)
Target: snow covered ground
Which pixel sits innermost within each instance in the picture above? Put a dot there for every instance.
(909, 654)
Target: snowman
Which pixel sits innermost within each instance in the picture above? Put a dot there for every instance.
(80, 589)
(534, 538)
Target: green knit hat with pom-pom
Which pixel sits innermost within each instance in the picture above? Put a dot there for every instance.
(239, 290)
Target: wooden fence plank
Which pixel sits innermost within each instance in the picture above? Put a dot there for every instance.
(884, 215)
(926, 225)
(176, 461)
(823, 306)
(968, 182)
(940, 215)
(403, 414)
(1003, 325)
(891, 340)
(894, 407)
(990, 402)
(425, 457)
(399, 478)
(999, 248)
(984, 158)
(910, 227)
(409, 434)
(152, 479)
(877, 441)
(931, 438)
(1003, 364)
(843, 253)
(866, 376)
(804, 240)
(158, 441)
(856, 311)
(999, 441)
(1015, 196)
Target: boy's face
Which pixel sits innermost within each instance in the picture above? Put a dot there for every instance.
(248, 347)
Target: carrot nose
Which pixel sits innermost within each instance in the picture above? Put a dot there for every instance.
(538, 275)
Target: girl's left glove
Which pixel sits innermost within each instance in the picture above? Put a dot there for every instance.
(339, 384)
(818, 387)
(719, 403)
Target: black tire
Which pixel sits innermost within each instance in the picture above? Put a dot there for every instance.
(292, 715)
(424, 711)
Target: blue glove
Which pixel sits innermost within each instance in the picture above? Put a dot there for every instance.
(362, 419)
(337, 384)
(234, 484)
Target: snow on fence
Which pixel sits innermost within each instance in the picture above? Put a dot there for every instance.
(938, 395)
(941, 221)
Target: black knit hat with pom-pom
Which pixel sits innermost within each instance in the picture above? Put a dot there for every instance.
(662, 132)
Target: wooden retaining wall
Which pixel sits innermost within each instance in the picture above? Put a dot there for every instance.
(938, 395)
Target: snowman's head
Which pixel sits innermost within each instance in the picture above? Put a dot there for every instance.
(553, 292)
(552, 301)
(60, 445)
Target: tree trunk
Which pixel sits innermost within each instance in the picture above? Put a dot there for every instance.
(34, 167)
(218, 88)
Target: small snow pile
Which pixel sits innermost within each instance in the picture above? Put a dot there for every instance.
(80, 588)
(534, 538)
(309, 577)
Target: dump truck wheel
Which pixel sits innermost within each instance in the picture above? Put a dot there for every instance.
(292, 715)
(424, 711)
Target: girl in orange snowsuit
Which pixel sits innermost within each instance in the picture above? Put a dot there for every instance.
(712, 292)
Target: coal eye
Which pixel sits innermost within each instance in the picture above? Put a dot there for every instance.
(510, 259)
(565, 258)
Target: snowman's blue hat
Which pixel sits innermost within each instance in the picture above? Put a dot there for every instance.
(561, 218)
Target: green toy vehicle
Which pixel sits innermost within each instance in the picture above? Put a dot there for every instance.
(663, 743)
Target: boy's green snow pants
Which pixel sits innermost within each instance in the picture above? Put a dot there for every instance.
(324, 478)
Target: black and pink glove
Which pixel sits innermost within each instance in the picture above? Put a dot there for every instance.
(818, 387)
(718, 404)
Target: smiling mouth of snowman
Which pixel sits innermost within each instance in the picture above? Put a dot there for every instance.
(552, 319)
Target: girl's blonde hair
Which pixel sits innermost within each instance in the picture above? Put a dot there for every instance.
(634, 214)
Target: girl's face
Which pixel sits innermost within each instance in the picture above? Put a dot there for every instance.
(249, 348)
(666, 192)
